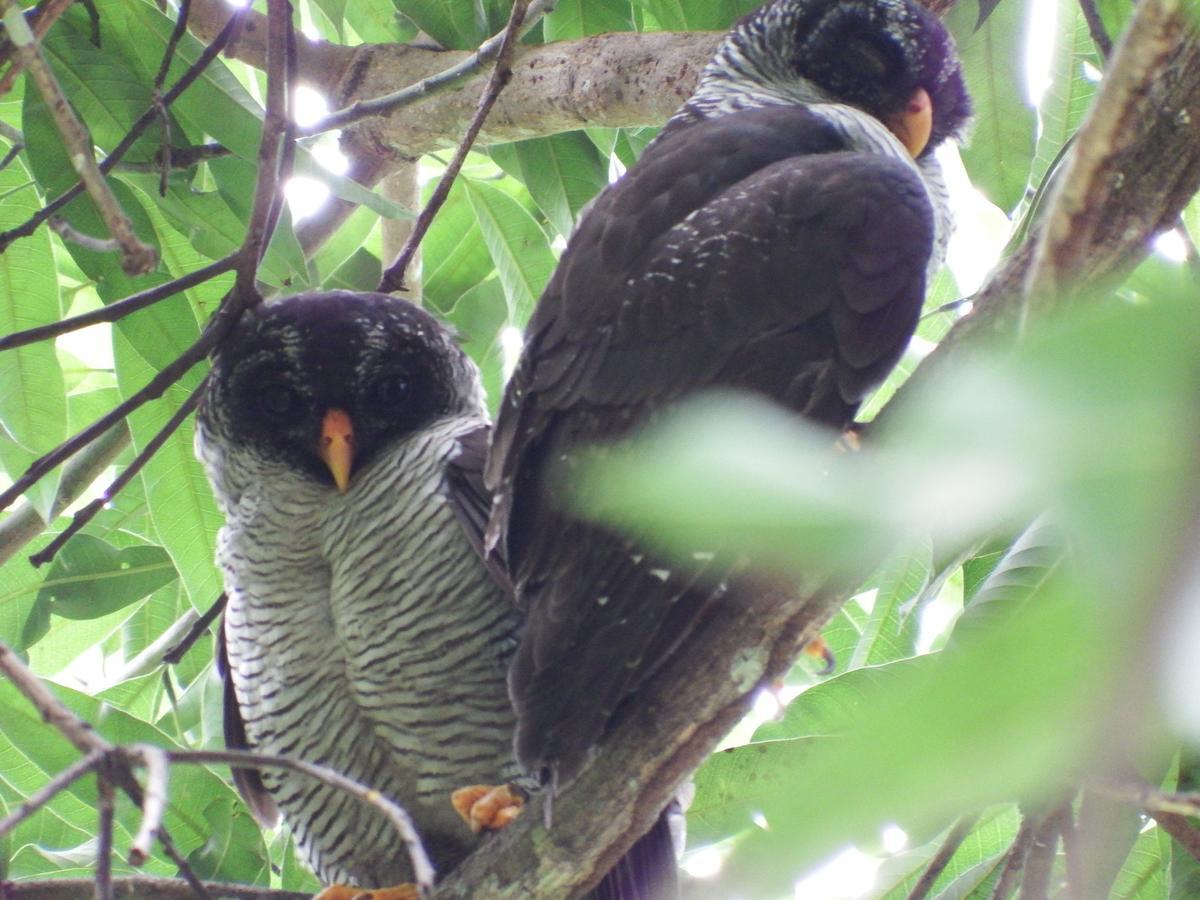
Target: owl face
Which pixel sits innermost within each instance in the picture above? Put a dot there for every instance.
(874, 54)
(878, 56)
(360, 371)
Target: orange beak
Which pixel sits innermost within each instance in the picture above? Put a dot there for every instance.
(913, 124)
(336, 447)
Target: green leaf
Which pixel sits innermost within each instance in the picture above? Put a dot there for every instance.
(1144, 876)
(1000, 152)
(729, 777)
(979, 854)
(181, 505)
(455, 24)
(479, 317)
(563, 174)
(33, 407)
(891, 631)
(517, 245)
(579, 18)
(680, 15)
(454, 256)
(91, 578)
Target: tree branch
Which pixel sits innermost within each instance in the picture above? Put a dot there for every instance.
(137, 888)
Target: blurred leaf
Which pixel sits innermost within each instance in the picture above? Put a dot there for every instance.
(714, 15)
(891, 632)
(728, 777)
(985, 9)
(480, 316)
(980, 853)
(1145, 873)
(950, 733)
(454, 255)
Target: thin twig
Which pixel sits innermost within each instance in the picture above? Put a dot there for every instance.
(104, 838)
(199, 627)
(92, 509)
(427, 87)
(121, 308)
(276, 124)
(68, 232)
(423, 869)
(1148, 797)
(43, 17)
(1039, 864)
(87, 741)
(135, 132)
(942, 858)
(25, 523)
(155, 802)
(1096, 28)
(137, 257)
(393, 277)
(1014, 862)
(53, 788)
(1183, 832)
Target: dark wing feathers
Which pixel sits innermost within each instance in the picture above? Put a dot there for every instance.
(749, 251)
(248, 782)
(472, 501)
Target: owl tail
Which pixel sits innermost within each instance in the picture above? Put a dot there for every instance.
(650, 868)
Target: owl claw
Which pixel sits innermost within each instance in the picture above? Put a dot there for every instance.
(346, 892)
(485, 806)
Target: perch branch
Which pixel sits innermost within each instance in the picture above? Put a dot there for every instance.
(498, 45)
(393, 276)
(154, 804)
(1092, 169)
(1096, 27)
(1181, 830)
(136, 256)
(138, 888)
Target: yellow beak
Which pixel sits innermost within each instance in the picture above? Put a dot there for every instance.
(336, 447)
(913, 124)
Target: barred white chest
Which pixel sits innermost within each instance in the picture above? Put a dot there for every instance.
(365, 634)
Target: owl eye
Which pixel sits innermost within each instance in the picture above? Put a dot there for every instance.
(278, 400)
(390, 390)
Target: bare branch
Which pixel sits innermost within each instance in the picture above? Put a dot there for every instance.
(136, 256)
(154, 803)
(1014, 861)
(143, 888)
(1184, 833)
(1096, 27)
(490, 50)
(1092, 170)
(104, 842)
(393, 276)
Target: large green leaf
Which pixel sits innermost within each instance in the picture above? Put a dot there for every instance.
(33, 407)
(563, 174)
(517, 244)
(579, 18)
(1000, 152)
(91, 578)
(680, 15)
(185, 517)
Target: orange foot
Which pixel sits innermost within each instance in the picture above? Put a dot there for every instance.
(484, 806)
(818, 649)
(345, 892)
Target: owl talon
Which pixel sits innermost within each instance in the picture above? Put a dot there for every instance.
(485, 806)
